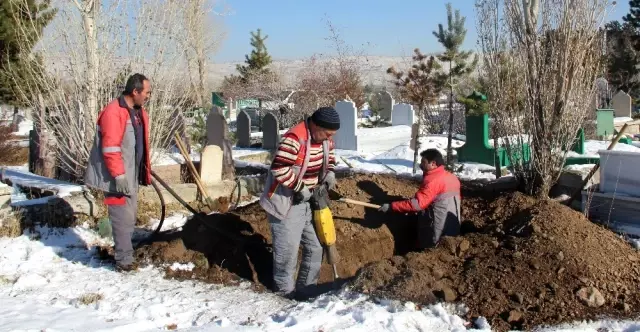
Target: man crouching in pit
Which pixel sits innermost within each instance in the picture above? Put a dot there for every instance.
(437, 202)
(304, 160)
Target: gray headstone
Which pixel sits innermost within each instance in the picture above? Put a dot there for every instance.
(386, 104)
(270, 132)
(346, 138)
(216, 128)
(621, 103)
(243, 130)
(403, 114)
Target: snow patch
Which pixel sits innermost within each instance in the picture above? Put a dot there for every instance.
(591, 148)
(24, 127)
(182, 267)
(27, 179)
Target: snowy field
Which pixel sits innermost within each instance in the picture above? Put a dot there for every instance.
(51, 280)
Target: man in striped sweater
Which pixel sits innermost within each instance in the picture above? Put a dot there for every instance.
(304, 160)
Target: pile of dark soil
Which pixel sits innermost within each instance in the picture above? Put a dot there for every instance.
(526, 263)
(519, 262)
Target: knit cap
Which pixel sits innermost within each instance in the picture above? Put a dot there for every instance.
(326, 117)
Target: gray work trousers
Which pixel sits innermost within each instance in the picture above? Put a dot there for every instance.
(123, 221)
(287, 235)
(431, 229)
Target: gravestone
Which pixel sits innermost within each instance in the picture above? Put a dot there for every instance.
(385, 102)
(402, 114)
(211, 165)
(270, 132)
(346, 137)
(604, 122)
(216, 127)
(621, 103)
(243, 130)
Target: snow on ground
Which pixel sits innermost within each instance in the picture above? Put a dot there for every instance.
(591, 148)
(175, 221)
(174, 157)
(52, 280)
(579, 168)
(26, 179)
(259, 134)
(622, 119)
(513, 139)
(24, 127)
(378, 140)
(44, 278)
(171, 157)
(399, 159)
(239, 152)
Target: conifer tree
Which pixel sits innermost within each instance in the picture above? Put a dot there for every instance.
(258, 60)
(622, 58)
(459, 63)
(633, 17)
(19, 33)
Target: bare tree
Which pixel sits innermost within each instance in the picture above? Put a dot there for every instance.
(203, 36)
(419, 85)
(88, 54)
(331, 78)
(540, 59)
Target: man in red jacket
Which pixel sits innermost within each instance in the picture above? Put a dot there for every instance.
(120, 161)
(437, 201)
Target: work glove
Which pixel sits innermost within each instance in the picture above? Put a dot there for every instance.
(384, 208)
(320, 191)
(330, 180)
(122, 185)
(301, 196)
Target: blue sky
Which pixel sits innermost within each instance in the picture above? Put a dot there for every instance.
(297, 28)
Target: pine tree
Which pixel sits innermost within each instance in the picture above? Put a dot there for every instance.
(258, 60)
(18, 18)
(622, 58)
(459, 66)
(633, 17)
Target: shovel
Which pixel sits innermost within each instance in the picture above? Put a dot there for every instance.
(337, 197)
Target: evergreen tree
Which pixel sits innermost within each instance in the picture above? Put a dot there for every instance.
(622, 58)
(258, 60)
(633, 17)
(459, 63)
(28, 17)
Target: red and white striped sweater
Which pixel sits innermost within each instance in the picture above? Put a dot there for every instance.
(286, 156)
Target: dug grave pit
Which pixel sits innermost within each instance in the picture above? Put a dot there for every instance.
(364, 236)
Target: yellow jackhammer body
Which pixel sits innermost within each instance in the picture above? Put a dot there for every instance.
(323, 221)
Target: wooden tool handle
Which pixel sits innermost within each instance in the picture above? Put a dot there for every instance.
(192, 168)
(351, 201)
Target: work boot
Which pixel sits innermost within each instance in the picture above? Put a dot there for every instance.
(126, 268)
(288, 296)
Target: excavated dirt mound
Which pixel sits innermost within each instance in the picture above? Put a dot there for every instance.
(525, 263)
(518, 262)
(364, 236)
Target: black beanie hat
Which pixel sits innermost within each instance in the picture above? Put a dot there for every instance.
(326, 117)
